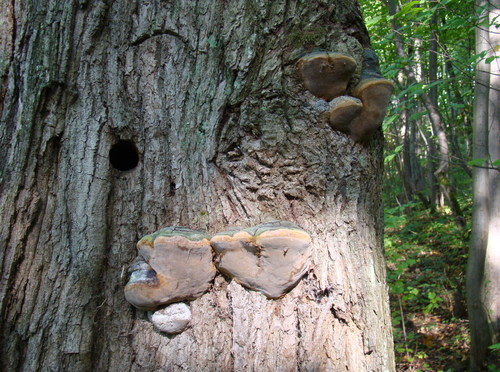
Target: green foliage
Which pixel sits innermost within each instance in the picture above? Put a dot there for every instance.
(426, 252)
(426, 259)
(394, 152)
(495, 347)
(415, 24)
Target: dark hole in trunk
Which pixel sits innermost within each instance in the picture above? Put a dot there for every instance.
(124, 155)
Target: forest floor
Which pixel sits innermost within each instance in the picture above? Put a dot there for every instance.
(426, 263)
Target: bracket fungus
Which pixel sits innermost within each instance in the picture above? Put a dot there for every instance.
(173, 264)
(343, 110)
(326, 74)
(270, 258)
(375, 93)
(172, 319)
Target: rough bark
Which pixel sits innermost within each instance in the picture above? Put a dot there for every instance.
(226, 135)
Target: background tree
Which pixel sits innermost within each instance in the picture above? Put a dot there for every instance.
(199, 107)
(483, 269)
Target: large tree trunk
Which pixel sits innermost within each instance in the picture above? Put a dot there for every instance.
(483, 266)
(207, 93)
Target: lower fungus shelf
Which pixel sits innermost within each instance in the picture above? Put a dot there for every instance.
(269, 258)
(175, 264)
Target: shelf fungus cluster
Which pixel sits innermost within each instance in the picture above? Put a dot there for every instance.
(269, 258)
(327, 75)
(175, 264)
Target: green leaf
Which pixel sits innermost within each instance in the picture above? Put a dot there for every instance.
(434, 83)
(410, 8)
(389, 158)
(476, 162)
(490, 59)
(418, 115)
(389, 120)
(494, 347)
(372, 21)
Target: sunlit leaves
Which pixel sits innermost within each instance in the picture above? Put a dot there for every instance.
(391, 156)
(414, 25)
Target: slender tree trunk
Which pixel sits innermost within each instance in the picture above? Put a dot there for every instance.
(492, 262)
(483, 267)
(208, 126)
(410, 171)
(418, 179)
(431, 167)
(457, 97)
(406, 169)
(441, 172)
(433, 60)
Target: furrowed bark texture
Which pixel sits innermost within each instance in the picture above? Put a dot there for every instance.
(227, 135)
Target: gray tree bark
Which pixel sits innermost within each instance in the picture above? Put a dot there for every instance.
(226, 134)
(483, 266)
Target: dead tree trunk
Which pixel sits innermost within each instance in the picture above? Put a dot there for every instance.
(121, 117)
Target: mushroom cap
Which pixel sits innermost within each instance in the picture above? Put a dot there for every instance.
(343, 110)
(374, 91)
(326, 74)
(270, 258)
(174, 264)
(375, 94)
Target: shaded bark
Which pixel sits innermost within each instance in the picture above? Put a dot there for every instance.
(412, 172)
(458, 98)
(225, 134)
(483, 267)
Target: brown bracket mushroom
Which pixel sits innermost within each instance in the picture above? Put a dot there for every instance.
(174, 264)
(343, 110)
(326, 74)
(270, 258)
(375, 94)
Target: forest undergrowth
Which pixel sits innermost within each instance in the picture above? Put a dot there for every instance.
(426, 263)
